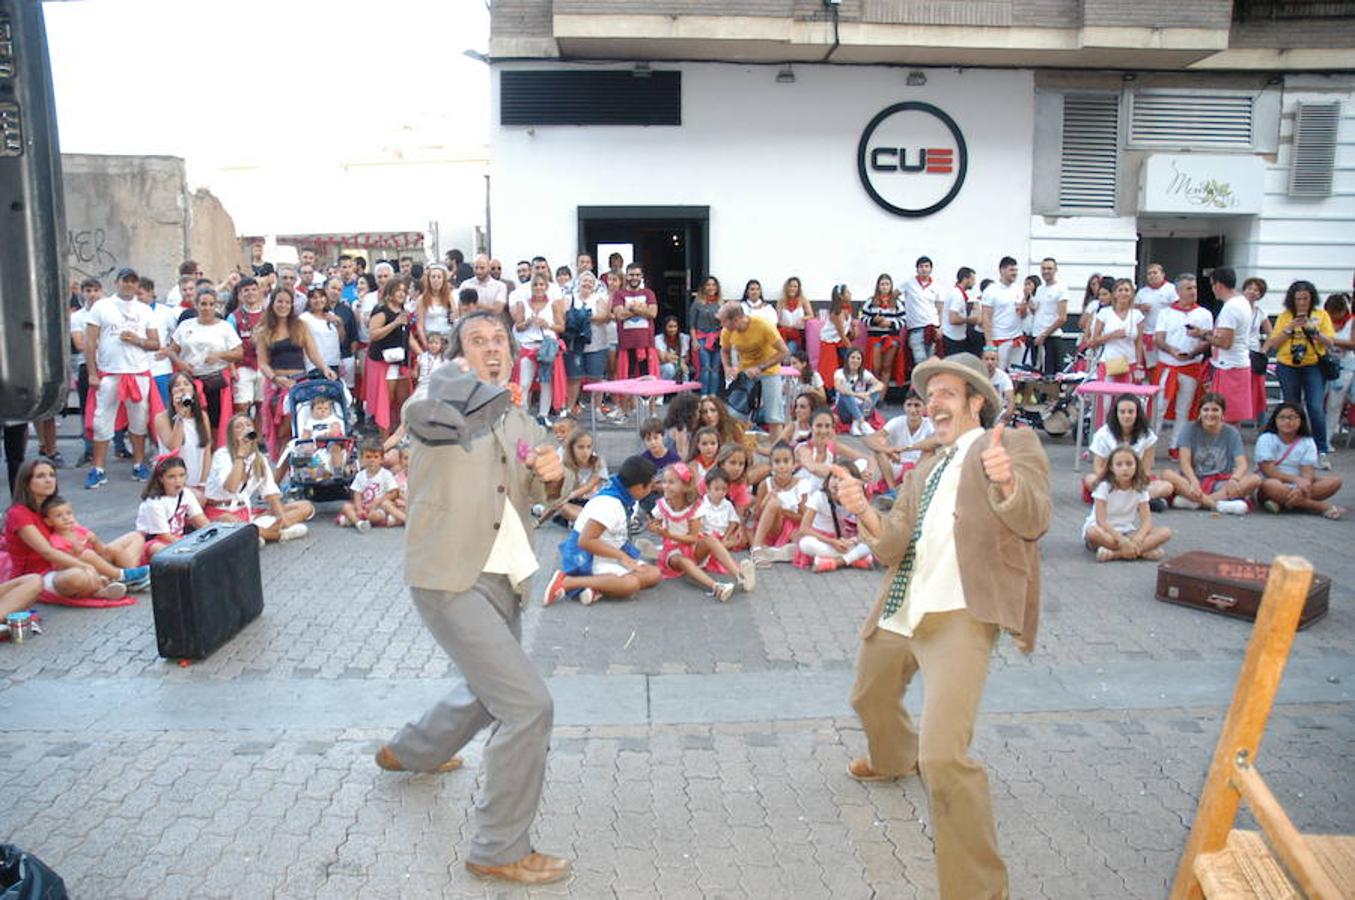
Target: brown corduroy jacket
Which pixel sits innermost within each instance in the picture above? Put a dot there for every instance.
(996, 539)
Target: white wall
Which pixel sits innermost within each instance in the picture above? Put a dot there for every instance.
(776, 163)
(1083, 246)
(1311, 239)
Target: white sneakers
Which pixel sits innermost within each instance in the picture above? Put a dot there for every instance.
(1232, 507)
(292, 532)
(861, 428)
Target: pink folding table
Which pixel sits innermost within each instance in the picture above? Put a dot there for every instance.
(644, 386)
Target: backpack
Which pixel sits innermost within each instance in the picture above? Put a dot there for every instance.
(578, 327)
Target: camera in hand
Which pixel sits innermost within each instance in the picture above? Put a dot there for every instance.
(251, 435)
(1297, 352)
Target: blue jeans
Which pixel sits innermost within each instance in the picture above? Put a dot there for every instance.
(712, 369)
(852, 409)
(1305, 386)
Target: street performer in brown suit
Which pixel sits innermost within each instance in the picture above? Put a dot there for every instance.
(961, 544)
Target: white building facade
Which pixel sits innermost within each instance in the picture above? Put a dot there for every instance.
(756, 169)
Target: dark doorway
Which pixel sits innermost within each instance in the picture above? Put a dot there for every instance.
(671, 243)
(1199, 256)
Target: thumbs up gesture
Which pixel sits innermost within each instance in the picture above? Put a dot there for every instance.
(997, 463)
(851, 493)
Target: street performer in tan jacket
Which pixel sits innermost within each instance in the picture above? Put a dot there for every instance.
(477, 466)
(961, 544)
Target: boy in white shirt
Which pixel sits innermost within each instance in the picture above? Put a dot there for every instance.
(374, 490)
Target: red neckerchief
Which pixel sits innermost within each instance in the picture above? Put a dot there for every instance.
(706, 464)
(963, 293)
(1338, 324)
(1181, 307)
(879, 302)
(925, 282)
(792, 303)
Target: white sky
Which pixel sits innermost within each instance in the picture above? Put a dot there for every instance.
(272, 87)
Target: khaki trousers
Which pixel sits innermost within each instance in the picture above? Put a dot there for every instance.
(951, 649)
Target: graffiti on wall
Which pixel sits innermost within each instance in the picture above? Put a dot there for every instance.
(87, 254)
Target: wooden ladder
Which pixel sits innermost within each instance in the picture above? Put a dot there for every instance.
(1220, 861)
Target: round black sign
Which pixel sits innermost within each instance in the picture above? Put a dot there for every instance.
(912, 159)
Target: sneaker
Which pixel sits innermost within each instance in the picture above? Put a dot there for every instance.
(784, 553)
(1179, 502)
(723, 591)
(1232, 507)
(137, 573)
(587, 596)
(538, 510)
(342, 521)
(141, 472)
(293, 532)
(85, 459)
(136, 587)
(1271, 506)
(1323, 461)
(555, 589)
(95, 479)
(120, 452)
(56, 459)
(759, 557)
(747, 575)
(865, 562)
(114, 590)
(855, 430)
(363, 526)
(826, 564)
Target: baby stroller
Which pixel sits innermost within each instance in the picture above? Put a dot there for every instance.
(1049, 404)
(314, 475)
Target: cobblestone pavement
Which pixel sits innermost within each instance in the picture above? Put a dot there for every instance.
(134, 777)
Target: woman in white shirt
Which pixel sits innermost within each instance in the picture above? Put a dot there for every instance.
(675, 350)
(756, 306)
(239, 472)
(208, 346)
(326, 328)
(1129, 426)
(1118, 331)
(858, 392)
(791, 311)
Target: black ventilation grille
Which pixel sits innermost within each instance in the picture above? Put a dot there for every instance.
(590, 98)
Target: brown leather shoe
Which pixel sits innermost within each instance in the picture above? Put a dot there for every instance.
(388, 761)
(860, 770)
(534, 868)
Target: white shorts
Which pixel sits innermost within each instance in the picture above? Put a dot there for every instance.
(605, 565)
(106, 407)
(248, 386)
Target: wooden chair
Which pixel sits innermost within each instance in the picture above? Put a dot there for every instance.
(1278, 861)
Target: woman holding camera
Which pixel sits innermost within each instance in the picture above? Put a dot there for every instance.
(240, 487)
(207, 346)
(1301, 337)
(284, 344)
(183, 429)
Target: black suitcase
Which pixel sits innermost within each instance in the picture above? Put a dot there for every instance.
(204, 589)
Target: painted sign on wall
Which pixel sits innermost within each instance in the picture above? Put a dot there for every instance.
(1201, 184)
(912, 159)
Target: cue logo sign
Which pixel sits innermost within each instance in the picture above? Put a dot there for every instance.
(912, 159)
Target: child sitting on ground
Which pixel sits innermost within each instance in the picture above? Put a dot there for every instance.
(324, 426)
(817, 455)
(657, 449)
(780, 506)
(1120, 525)
(74, 539)
(901, 442)
(705, 448)
(686, 550)
(828, 538)
(597, 560)
(167, 508)
(374, 491)
(718, 516)
(585, 473)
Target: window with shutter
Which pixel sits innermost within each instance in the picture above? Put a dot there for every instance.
(1310, 170)
(1090, 152)
(1178, 119)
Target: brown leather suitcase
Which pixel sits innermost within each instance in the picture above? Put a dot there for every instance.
(1229, 585)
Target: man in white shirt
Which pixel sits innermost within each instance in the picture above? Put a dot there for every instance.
(1002, 383)
(1232, 362)
(120, 332)
(1181, 355)
(1003, 306)
(1151, 299)
(542, 268)
(959, 313)
(492, 293)
(166, 319)
(1051, 312)
(922, 310)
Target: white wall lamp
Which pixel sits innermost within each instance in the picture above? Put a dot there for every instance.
(916, 78)
(786, 75)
